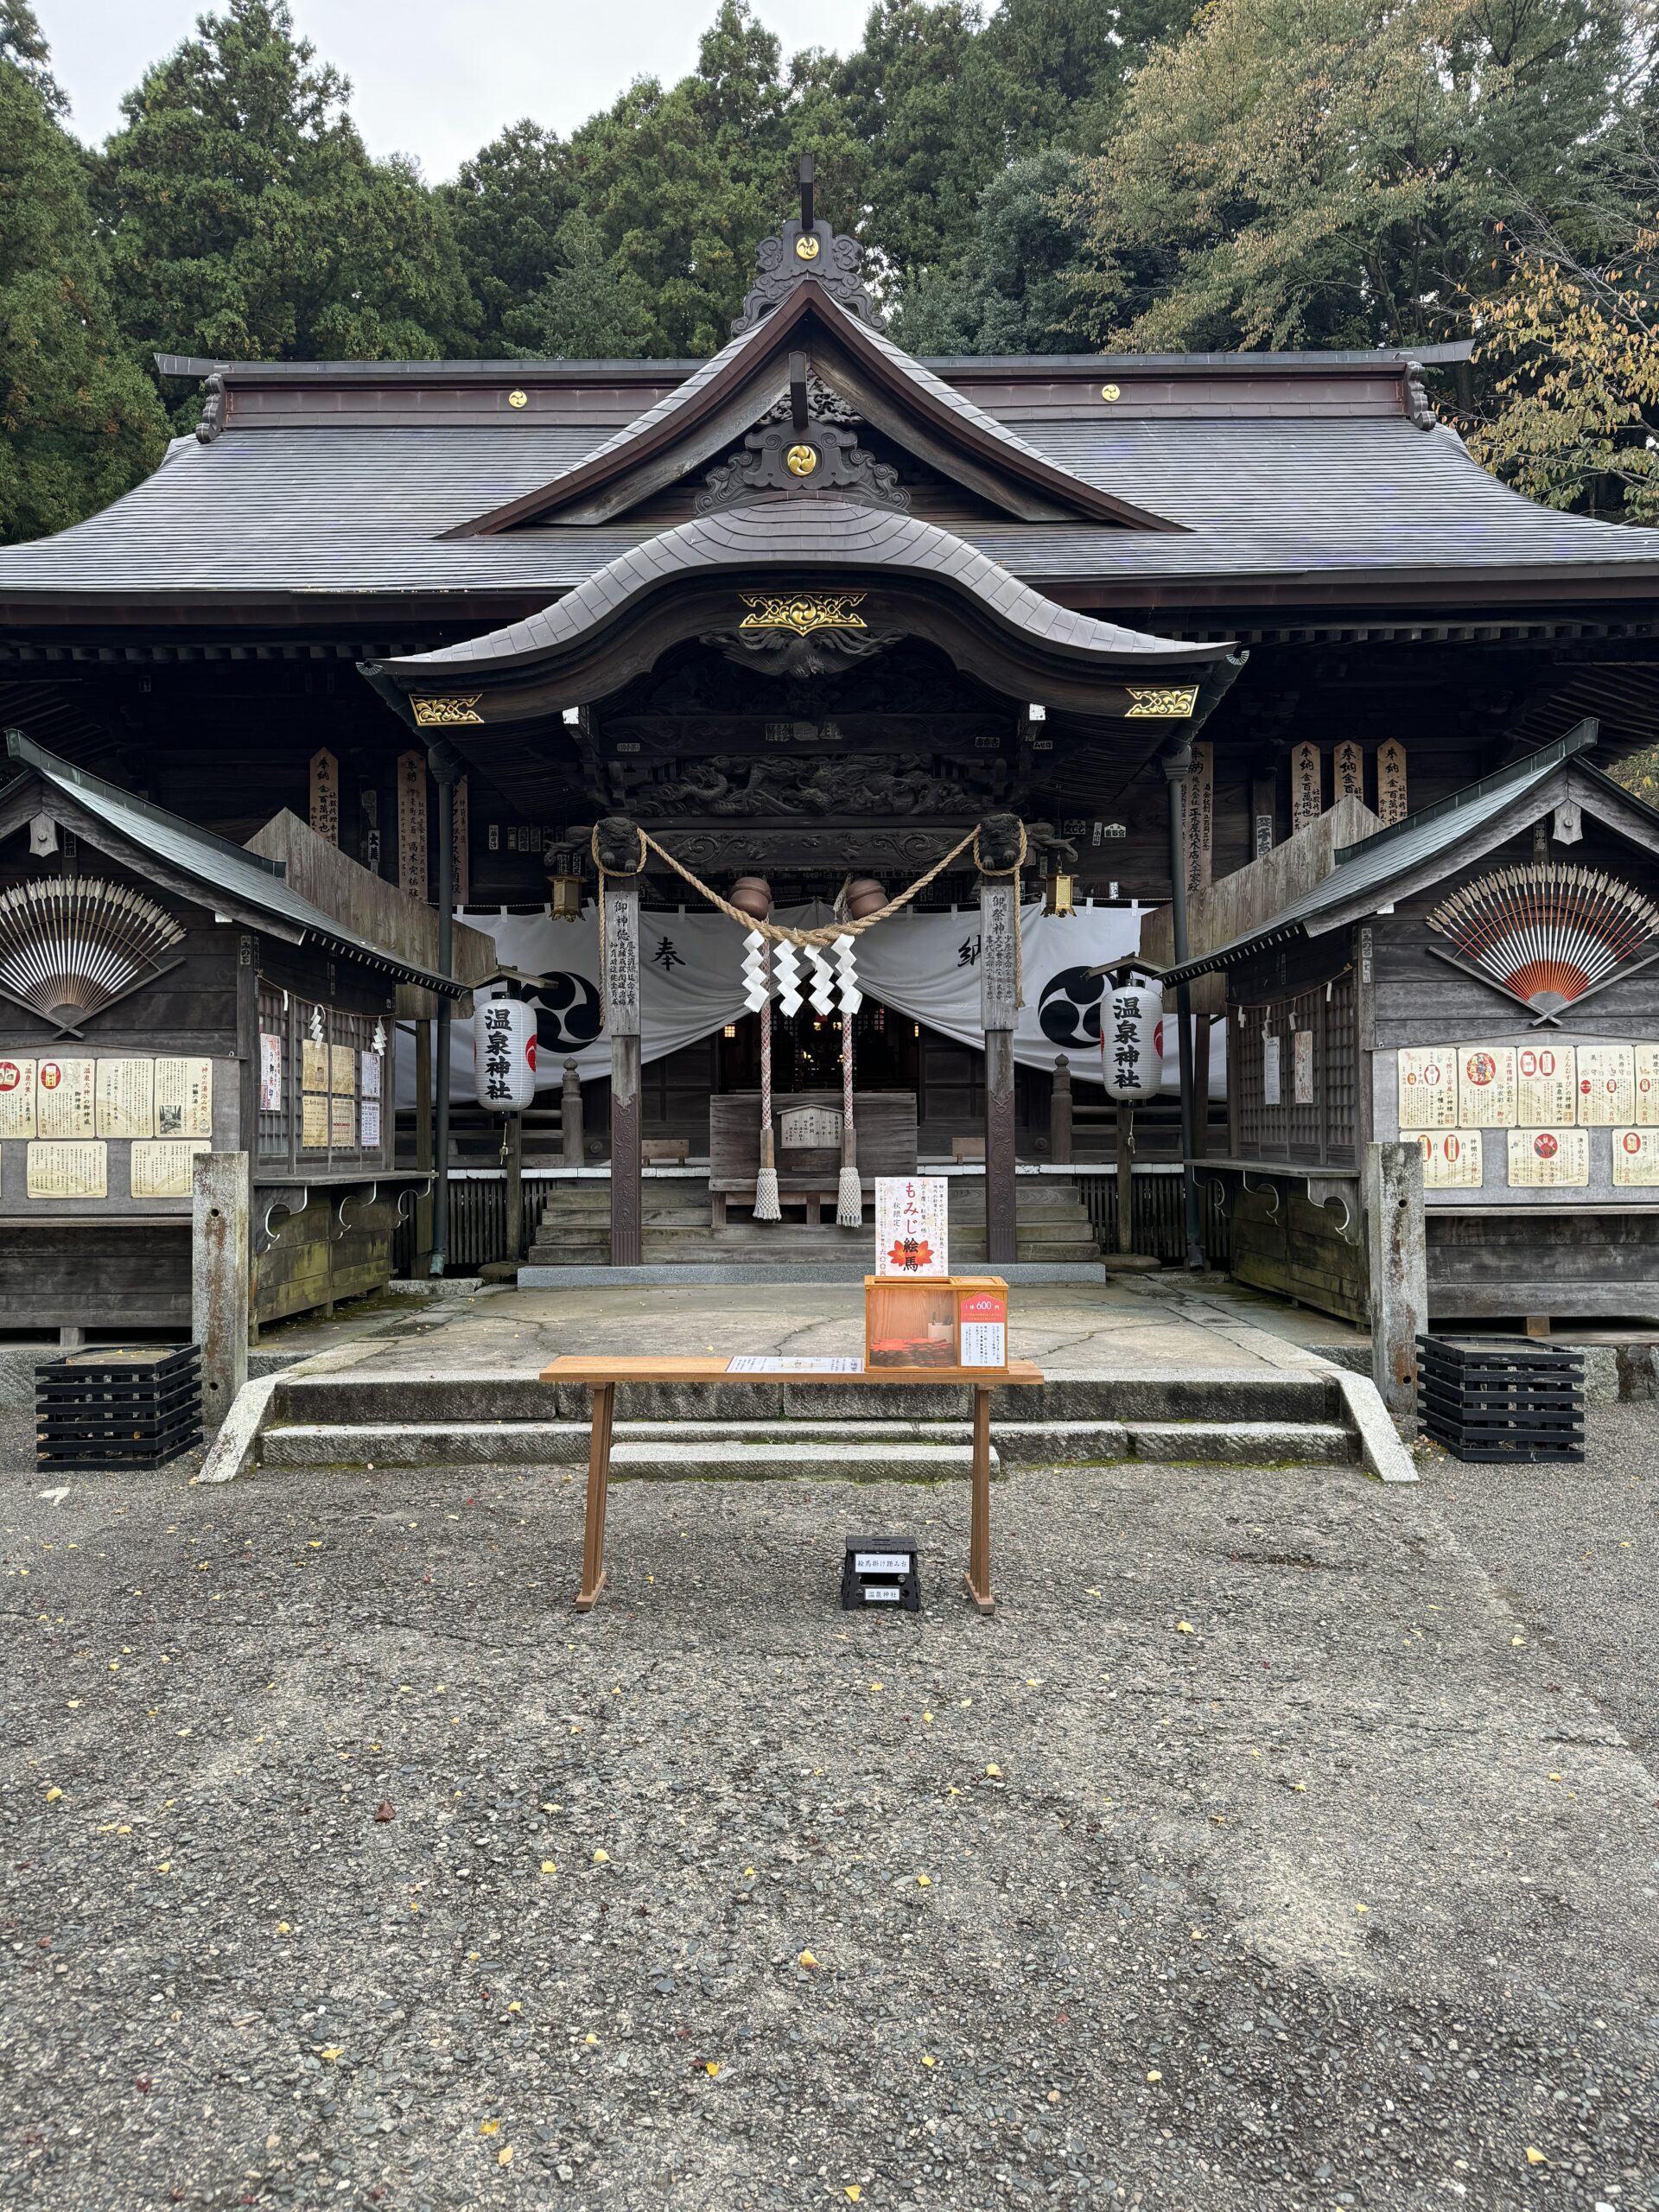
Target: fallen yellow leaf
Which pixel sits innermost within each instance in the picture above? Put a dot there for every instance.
(590, 2038)
(923, 1881)
(1362, 1908)
(711, 2067)
(807, 1959)
(602, 1858)
(548, 1867)
(515, 2006)
(503, 2156)
(164, 1867)
(927, 1716)
(1184, 1628)
(1154, 2075)
(854, 2192)
(53, 1795)
(283, 1927)
(489, 2127)
(926, 2060)
(1535, 2157)
(994, 1771)
(332, 2051)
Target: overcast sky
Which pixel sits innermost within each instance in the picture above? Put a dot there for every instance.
(436, 77)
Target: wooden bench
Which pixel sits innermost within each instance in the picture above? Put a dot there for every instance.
(602, 1376)
(885, 1122)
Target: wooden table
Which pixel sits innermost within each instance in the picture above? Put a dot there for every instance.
(602, 1376)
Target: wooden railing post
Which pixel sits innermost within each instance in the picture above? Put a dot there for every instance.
(1397, 1250)
(220, 1278)
(570, 1116)
(1059, 1114)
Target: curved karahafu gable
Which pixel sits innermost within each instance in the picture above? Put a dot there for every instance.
(782, 564)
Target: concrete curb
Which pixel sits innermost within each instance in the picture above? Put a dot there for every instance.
(829, 1272)
(233, 1450)
(1381, 1450)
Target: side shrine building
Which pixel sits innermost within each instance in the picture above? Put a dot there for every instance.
(537, 639)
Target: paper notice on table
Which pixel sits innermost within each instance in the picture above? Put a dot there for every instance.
(166, 1169)
(342, 1124)
(1647, 1086)
(1549, 1159)
(69, 1171)
(1606, 1085)
(1485, 1086)
(369, 1114)
(1270, 1085)
(1636, 1156)
(126, 1098)
(342, 1079)
(767, 1363)
(184, 1098)
(270, 1073)
(1453, 1159)
(17, 1098)
(1547, 1086)
(912, 1226)
(313, 1123)
(66, 1098)
(1428, 1087)
(370, 1075)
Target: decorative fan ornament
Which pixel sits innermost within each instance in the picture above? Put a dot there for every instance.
(70, 945)
(1545, 933)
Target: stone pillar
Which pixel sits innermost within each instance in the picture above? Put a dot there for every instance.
(999, 924)
(1397, 1253)
(220, 1278)
(622, 1020)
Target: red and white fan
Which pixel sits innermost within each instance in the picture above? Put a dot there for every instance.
(1545, 933)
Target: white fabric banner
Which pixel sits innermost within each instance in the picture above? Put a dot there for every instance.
(924, 965)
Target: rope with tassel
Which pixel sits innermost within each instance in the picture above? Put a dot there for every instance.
(768, 1204)
(849, 1192)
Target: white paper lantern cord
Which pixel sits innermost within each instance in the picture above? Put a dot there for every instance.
(786, 968)
(822, 990)
(757, 989)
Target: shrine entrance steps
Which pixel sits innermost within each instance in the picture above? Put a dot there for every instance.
(359, 1420)
(574, 1229)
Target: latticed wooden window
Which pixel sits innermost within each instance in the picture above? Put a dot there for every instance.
(1303, 1018)
(343, 1111)
(1340, 1085)
(276, 1074)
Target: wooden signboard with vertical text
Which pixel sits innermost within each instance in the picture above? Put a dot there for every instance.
(411, 824)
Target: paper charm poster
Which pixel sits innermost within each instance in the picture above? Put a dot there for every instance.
(912, 1225)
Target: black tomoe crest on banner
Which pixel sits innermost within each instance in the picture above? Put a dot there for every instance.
(1069, 1009)
(567, 1011)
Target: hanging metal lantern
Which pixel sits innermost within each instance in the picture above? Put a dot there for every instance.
(1132, 1042)
(1058, 890)
(564, 884)
(504, 1055)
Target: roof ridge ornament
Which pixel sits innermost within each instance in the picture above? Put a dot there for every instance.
(806, 247)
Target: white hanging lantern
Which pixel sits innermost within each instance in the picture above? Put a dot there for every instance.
(1132, 1042)
(504, 1055)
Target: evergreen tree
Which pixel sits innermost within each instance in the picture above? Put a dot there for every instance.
(590, 309)
(246, 219)
(80, 423)
(1328, 172)
(507, 207)
(1012, 289)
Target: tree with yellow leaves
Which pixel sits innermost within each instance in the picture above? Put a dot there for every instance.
(1573, 419)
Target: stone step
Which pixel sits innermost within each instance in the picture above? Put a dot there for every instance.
(362, 1396)
(872, 1451)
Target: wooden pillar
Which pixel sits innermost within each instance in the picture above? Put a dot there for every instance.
(1201, 1027)
(1059, 1115)
(1177, 757)
(220, 1278)
(1125, 1176)
(622, 1020)
(999, 924)
(422, 1143)
(1397, 1252)
(512, 1161)
(571, 1129)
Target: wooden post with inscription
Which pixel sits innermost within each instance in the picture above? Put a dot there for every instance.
(411, 824)
(570, 1114)
(999, 928)
(618, 841)
(325, 795)
(1397, 1251)
(220, 1278)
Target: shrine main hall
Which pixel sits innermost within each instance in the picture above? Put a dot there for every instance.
(812, 630)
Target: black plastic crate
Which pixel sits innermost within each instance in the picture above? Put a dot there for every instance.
(117, 1406)
(1495, 1398)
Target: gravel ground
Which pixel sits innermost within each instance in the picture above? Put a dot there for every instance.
(1576, 1551)
(1257, 1853)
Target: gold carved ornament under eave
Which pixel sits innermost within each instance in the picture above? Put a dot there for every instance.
(447, 711)
(803, 611)
(1161, 702)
